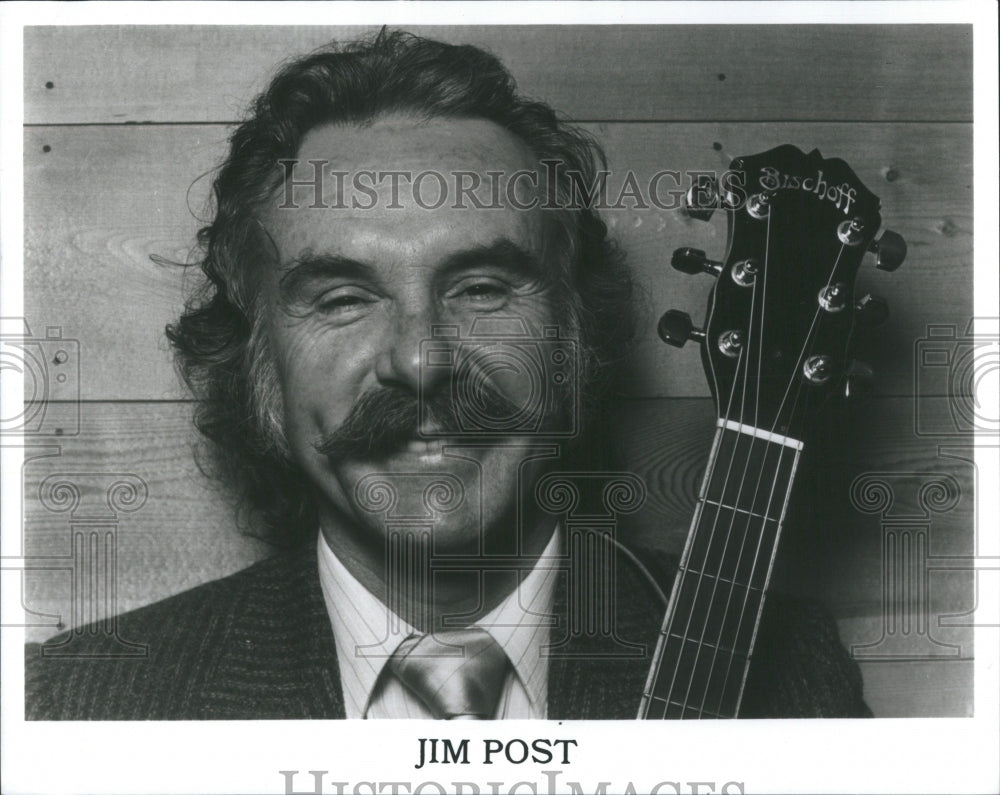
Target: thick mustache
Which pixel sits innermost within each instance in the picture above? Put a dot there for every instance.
(384, 420)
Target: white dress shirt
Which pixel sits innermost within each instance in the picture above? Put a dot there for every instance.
(367, 632)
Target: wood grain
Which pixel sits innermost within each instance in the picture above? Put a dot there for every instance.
(99, 201)
(648, 72)
(919, 689)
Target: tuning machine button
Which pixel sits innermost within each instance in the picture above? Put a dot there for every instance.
(833, 297)
(818, 369)
(851, 232)
(675, 328)
(871, 310)
(702, 198)
(759, 205)
(693, 260)
(890, 250)
(859, 380)
(730, 343)
(745, 272)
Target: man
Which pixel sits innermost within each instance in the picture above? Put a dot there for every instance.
(406, 338)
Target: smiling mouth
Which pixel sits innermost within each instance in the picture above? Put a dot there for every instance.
(426, 446)
(436, 447)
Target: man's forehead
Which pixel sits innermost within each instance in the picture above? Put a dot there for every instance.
(400, 142)
(365, 214)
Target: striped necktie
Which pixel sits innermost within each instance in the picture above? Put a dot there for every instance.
(456, 674)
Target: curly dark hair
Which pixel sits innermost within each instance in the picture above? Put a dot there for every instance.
(220, 347)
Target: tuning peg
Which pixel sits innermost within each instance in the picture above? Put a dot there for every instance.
(871, 310)
(859, 379)
(675, 328)
(890, 249)
(851, 232)
(702, 198)
(693, 260)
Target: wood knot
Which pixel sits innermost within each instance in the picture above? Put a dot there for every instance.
(947, 228)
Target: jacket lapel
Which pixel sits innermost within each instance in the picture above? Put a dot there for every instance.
(278, 658)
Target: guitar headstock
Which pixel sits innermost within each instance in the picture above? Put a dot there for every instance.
(781, 314)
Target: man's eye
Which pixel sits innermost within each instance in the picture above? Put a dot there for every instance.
(483, 291)
(341, 302)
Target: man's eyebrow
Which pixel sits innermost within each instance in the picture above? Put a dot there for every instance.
(307, 267)
(502, 253)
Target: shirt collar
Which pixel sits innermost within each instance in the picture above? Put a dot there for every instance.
(367, 632)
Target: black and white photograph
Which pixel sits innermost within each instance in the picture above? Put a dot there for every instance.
(553, 369)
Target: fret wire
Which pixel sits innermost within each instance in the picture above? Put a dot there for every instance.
(743, 608)
(680, 650)
(746, 532)
(691, 610)
(714, 584)
(773, 485)
(655, 672)
(759, 341)
(741, 510)
(707, 486)
(767, 458)
(653, 680)
(669, 620)
(724, 649)
(651, 702)
(727, 580)
(686, 707)
(708, 557)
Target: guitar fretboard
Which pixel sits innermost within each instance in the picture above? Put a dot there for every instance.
(707, 637)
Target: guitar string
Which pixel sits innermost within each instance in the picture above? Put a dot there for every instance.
(751, 341)
(799, 386)
(746, 530)
(716, 642)
(684, 636)
(681, 574)
(654, 685)
(732, 520)
(757, 548)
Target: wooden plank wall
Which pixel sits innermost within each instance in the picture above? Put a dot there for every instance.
(124, 124)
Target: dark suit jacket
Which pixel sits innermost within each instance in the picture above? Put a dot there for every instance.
(258, 645)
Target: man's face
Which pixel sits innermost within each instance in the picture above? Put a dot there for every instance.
(351, 307)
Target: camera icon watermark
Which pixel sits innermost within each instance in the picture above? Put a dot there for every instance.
(50, 367)
(956, 377)
(502, 381)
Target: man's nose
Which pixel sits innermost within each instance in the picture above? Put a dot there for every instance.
(400, 363)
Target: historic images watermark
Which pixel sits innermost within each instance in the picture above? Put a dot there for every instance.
(548, 782)
(319, 185)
